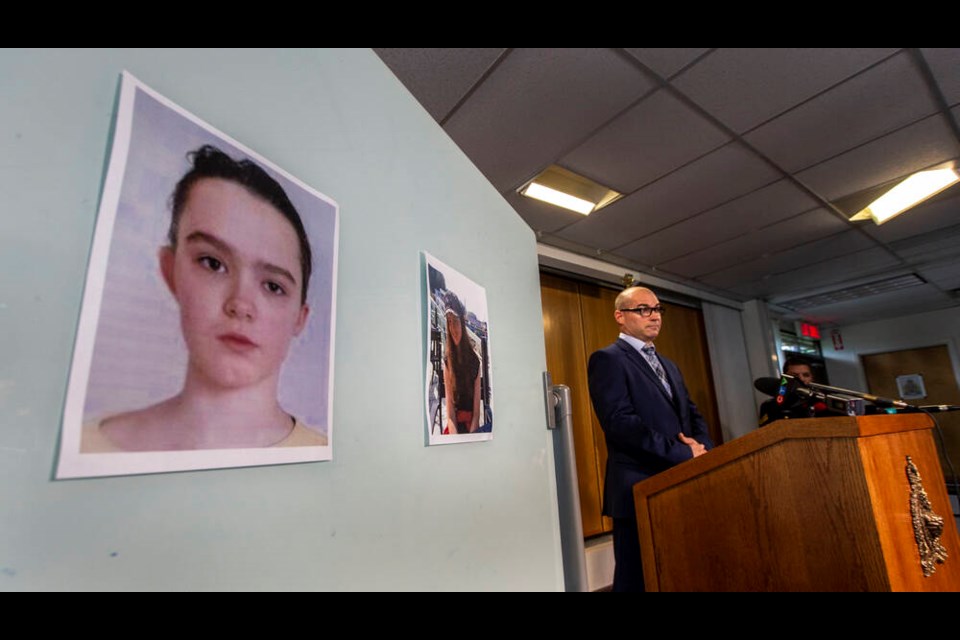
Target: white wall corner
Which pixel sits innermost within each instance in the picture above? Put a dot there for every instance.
(762, 355)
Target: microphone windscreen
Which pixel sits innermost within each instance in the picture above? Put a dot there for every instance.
(768, 386)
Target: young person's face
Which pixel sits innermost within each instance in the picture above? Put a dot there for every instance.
(454, 328)
(236, 275)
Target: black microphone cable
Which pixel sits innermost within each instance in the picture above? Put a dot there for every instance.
(943, 450)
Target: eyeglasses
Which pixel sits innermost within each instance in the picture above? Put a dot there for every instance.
(645, 311)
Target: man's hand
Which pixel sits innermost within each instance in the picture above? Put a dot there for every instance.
(697, 448)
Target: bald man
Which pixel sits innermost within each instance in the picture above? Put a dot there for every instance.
(649, 421)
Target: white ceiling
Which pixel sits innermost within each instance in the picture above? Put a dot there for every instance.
(741, 166)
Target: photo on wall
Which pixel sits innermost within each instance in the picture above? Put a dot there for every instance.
(459, 401)
(911, 387)
(206, 329)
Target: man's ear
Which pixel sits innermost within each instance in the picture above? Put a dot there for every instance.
(166, 256)
(301, 319)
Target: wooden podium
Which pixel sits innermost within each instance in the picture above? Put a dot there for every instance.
(804, 505)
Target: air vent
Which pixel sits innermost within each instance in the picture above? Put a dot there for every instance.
(854, 293)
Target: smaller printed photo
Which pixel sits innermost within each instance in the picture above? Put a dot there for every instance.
(459, 400)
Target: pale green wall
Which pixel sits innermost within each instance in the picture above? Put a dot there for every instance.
(387, 513)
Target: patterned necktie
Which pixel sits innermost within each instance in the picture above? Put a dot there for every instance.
(651, 356)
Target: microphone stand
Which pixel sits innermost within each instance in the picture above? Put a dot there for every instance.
(877, 400)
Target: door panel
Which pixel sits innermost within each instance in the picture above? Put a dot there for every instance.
(563, 335)
(882, 369)
(599, 330)
(683, 339)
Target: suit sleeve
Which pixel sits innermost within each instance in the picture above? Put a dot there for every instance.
(625, 430)
(695, 425)
(698, 426)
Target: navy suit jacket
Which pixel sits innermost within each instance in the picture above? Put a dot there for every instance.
(640, 422)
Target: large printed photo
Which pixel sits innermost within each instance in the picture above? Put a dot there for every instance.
(206, 331)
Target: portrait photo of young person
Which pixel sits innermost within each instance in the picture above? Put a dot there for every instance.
(206, 331)
(459, 398)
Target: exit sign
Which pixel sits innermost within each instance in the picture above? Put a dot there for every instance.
(809, 330)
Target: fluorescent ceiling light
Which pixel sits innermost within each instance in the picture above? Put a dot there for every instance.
(908, 193)
(566, 189)
(559, 198)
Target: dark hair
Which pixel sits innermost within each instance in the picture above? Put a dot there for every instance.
(452, 303)
(210, 162)
(796, 361)
(463, 360)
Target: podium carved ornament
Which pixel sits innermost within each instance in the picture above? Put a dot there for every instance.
(927, 525)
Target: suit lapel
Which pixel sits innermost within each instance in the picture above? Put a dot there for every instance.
(648, 371)
(672, 373)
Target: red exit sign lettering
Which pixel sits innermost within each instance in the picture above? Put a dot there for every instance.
(809, 330)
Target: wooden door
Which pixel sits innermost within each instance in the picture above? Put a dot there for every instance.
(933, 363)
(578, 320)
(567, 363)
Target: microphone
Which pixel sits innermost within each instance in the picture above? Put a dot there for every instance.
(784, 387)
(792, 393)
(767, 386)
(791, 401)
(869, 397)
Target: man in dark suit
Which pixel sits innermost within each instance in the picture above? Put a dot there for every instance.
(648, 419)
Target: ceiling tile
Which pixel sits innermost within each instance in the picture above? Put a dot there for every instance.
(881, 305)
(722, 175)
(896, 155)
(799, 230)
(744, 87)
(946, 276)
(755, 210)
(938, 246)
(944, 64)
(749, 290)
(715, 258)
(830, 271)
(702, 204)
(648, 141)
(438, 78)
(785, 261)
(816, 252)
(666, 62)
(767, 241)
(537, 104)
(882, 99)
(737, 275)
